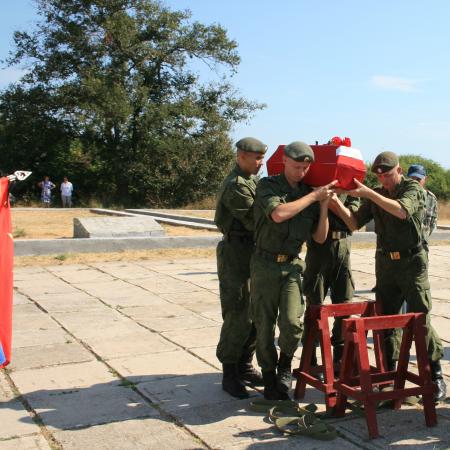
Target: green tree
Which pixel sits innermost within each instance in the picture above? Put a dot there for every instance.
(437, 176)
(120, 82)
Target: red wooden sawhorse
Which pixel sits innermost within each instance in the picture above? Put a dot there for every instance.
(360, 387)
(317, 317)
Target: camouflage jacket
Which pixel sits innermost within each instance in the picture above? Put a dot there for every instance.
(234, 207)
(394, 234)
(431, 214)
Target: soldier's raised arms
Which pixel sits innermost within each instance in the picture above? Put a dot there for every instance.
(397, 207)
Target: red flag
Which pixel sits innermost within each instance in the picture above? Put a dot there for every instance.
(6, 275)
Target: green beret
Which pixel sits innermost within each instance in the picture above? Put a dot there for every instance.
(384, 162)
(299, 151)
(250, 144)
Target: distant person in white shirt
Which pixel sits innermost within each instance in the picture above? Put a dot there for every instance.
(66, 193)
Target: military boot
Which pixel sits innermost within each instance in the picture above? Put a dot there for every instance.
(437, 377)
(247, 373)
(271, 391)
(231, 382)
(284, 373)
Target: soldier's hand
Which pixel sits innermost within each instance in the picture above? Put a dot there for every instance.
(333, 199)
(361, 190)
(324, 192)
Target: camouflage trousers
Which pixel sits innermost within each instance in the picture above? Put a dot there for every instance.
(238, 334)
(402, 280)
(276, 297)
(328, 268)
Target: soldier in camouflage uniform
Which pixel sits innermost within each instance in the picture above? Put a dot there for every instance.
(234, 218)
(417, 172)
(287, 213)
(328, 267)
(401, 262)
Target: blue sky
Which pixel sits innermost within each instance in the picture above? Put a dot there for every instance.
(377, 72)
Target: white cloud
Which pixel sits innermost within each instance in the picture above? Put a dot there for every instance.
(10, 75)
(394, 83)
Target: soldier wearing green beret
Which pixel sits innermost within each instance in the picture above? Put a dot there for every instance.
(401, 263)
(234, 218)
(287, 213)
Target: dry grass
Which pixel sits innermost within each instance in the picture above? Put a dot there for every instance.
(204, 214)
(45, 223)
(132, 255)
(206, 203)
(172, 230)
(58, 224)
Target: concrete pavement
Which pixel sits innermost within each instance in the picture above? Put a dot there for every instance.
(121, 355)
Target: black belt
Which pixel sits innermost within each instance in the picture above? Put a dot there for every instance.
(241, 238)
(395, 255)
(332, 234)
(275, 257)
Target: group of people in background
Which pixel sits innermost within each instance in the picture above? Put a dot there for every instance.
(66, 190)
(264, 283)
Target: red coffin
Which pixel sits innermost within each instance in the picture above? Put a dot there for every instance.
(331, 162)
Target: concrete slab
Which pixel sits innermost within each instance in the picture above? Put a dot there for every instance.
(440, 307)
(231, 426)
(23, 338)
(110, 290)
(116, 227)
(404, 428)
(33, 322)
(95, 321)
(199, 337)
(140, 434)
(442, 324)
(166, 285)
(26, 272)
(155, 366)
(28, 309)
(178, 394)
(165, 365)
(33, 288)
(208, 354)
(14, 418)
(49, 355)
(33, 442)
(19, 299)
(124, 270)
(87, 333)
(35, 247)
(75, 301)
(182, 298)
(138, 343)
(186, 322)
(80, 407)
(63, 378)
(207, 308)
(85, 275)
(163, 309)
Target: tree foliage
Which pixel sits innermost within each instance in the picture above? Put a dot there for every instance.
(113, 99)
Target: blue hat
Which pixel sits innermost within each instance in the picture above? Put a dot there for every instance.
(417, 171)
